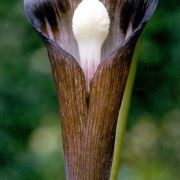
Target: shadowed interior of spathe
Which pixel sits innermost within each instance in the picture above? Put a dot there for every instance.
(54, 19)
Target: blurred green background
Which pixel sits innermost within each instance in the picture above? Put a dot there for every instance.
(30, 143)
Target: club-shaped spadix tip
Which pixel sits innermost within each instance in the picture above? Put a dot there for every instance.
(91, 20)
(90, 25)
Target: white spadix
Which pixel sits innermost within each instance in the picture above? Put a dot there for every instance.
(90, 26)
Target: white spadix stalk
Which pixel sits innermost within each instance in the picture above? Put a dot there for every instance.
(90, 26)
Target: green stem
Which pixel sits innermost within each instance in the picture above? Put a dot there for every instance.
(122, 119)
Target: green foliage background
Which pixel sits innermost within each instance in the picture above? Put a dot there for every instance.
(30, 143)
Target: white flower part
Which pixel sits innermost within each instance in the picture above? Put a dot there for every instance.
(90, 26)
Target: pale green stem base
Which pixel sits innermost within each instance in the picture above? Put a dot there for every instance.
(122, 119)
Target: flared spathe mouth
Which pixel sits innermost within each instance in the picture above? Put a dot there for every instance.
(53, 18)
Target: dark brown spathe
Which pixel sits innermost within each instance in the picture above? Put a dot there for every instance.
(89, 119)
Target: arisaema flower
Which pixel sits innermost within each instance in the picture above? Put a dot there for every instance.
(90, 45)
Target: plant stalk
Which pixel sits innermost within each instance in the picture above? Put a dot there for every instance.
(123, 116)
